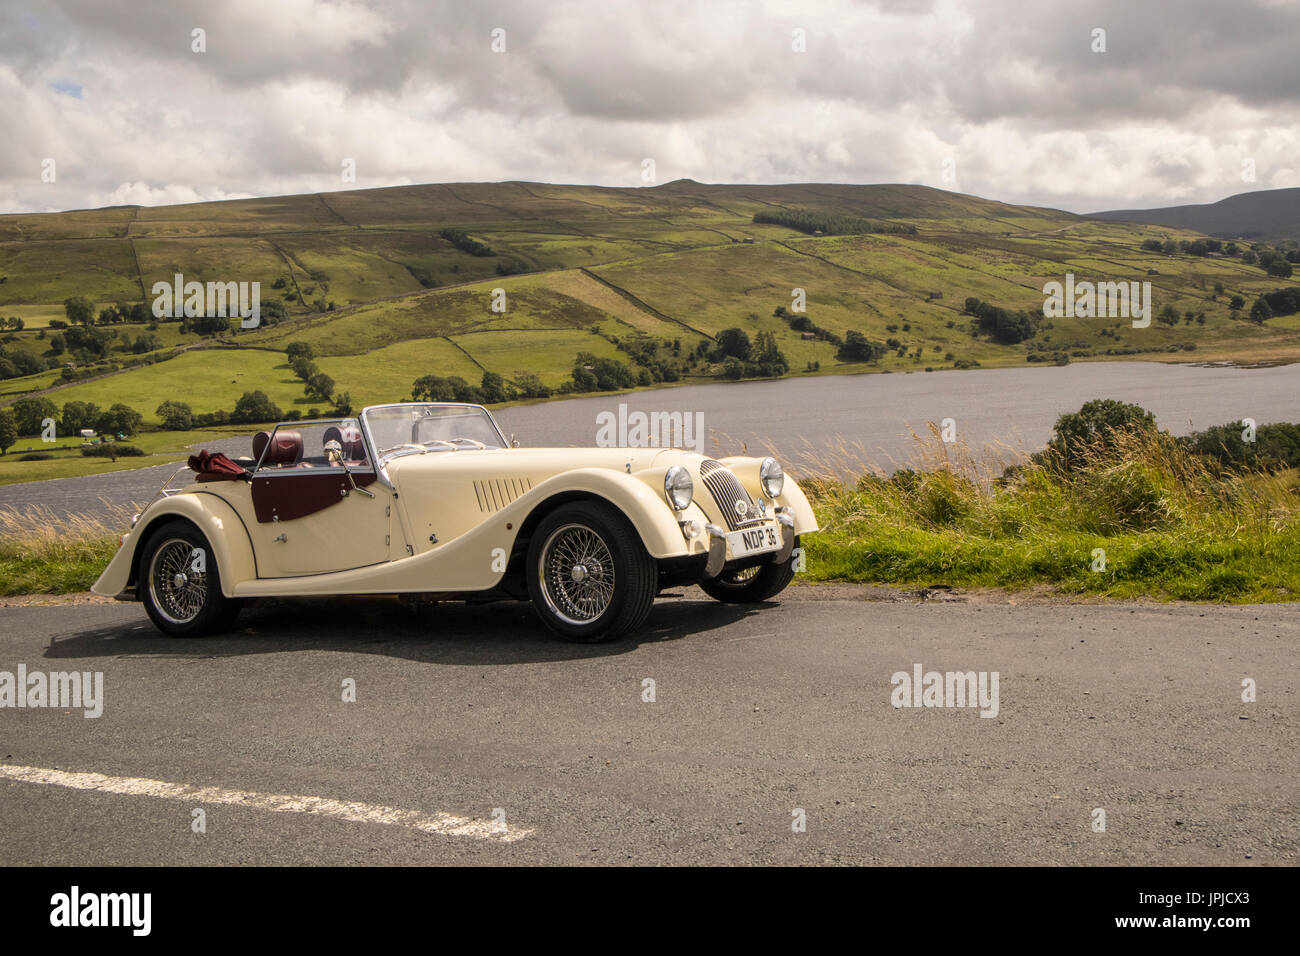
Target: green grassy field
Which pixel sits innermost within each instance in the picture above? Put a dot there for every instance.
(680, 261)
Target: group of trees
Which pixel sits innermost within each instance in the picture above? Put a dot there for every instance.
(741, 358)
(29, 416)
(465, 243)
(661, 358)
(801, 322)
(1003, 325)
(858, 348)
(1269, 304)
(1277, 261)
(316, 384)
(492, 389)
(812, 221)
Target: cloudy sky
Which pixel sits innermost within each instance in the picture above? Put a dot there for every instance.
(1001, 98)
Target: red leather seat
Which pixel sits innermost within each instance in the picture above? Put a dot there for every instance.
(349, 439)
(285, 450)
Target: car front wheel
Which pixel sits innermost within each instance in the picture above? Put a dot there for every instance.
(752, 585)
(589, 576)
(180, 584)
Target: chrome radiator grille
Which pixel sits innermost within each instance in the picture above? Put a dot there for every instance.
(727, 490)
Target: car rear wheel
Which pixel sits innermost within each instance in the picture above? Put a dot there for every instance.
(752, 585)
(180, 584)
(589, 576)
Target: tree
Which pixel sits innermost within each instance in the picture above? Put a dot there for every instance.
(1237, 302)
(608, 374)
(1099, 419)
(343, 403)
(858, 348)
(1168, 315)
(432, 388)
(496, 389)
(320, 386)
(80, 310)
(79, 415)
(255, 407)
(531, 385)
(30, 414)
(1280, 268)
(768, 356)
(57, 344)
(734, 342)
(119, 420)
(8, 430)
(175, 416)
(464, 391)
(1260, 311)
(297, 350)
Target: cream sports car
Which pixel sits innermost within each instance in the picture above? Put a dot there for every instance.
(430, 498)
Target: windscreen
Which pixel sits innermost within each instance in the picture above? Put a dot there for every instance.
(425, 427)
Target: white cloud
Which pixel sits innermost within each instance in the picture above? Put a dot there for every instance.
(412, 91)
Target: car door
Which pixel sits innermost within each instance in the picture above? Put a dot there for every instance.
(312, 516)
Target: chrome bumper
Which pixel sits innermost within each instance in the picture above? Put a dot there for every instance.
(718, 544)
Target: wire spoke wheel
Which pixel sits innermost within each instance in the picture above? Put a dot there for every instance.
(576, 572)
(178, 590)
(740, 578)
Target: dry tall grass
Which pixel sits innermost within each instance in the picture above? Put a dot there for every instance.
(42, 551)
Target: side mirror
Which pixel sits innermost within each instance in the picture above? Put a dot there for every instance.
(514, 442)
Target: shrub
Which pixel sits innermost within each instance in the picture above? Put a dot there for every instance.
(111, 450)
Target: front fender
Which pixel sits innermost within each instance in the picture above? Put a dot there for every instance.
(207, 511)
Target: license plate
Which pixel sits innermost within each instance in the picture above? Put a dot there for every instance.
(753, 541)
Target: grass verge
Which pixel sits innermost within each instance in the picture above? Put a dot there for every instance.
(1143, 518)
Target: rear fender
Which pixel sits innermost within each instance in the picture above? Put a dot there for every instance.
(216, 520)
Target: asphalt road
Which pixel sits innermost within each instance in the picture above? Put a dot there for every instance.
(1133, 709)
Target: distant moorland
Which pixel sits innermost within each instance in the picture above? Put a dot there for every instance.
(502, 291)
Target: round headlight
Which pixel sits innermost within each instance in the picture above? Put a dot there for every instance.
(771, 477)
(678, 487)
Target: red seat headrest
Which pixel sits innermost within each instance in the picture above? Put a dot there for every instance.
(349, 438)
(285, 450)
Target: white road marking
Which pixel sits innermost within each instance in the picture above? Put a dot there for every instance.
(443, 823)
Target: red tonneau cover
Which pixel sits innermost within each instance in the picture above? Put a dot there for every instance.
(216, 467)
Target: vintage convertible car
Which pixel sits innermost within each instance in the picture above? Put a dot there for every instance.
(430, 498)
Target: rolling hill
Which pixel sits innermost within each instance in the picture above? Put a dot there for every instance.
(1264, 214)
(388, 285)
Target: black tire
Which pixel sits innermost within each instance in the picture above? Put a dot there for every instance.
(182, 601)
(752, 585)
(619, 578)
